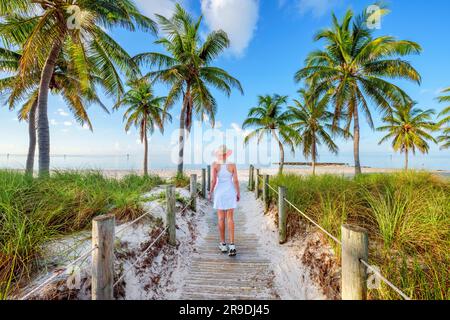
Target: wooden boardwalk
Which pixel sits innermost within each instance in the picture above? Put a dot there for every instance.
(215, 275)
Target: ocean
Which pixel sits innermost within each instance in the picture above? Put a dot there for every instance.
(134, 162)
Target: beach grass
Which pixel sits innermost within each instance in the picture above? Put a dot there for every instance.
(34, 211)
(407, 215)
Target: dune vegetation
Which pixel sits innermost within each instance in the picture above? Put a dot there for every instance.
(35, 211)
(407, 216)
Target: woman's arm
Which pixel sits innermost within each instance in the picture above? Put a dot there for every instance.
(213, 180)
(236, 183)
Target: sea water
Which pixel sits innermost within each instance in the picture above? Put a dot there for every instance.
(135, 162)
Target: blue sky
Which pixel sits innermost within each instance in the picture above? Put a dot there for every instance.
(270, 40)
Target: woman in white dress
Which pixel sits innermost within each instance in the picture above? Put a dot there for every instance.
(225, 188)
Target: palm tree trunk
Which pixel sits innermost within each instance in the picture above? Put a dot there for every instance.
(43, 127)
(181, 138)
(145, 150)
(406, 160)
(32, 141)
(280, 168)
(356, 138)
(313, 158)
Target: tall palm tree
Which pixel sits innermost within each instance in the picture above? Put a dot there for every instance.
(445, 121)
(51, 26)
(145, 111)
(409, 128)
(63, 82)
(313, 124)
(355, 68)
(269, 118)
(187, 68)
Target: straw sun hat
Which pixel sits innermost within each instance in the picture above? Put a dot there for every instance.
(223, 151)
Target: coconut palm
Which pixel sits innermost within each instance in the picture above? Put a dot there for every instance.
(409, 128)
(145, 111)
(63, 82)
(269, 118)
(79, 26)
(313, 124)
(355, 67)
(187, 68)
(445, 121)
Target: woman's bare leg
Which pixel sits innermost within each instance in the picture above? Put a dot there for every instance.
(221, 223)
(230, 225)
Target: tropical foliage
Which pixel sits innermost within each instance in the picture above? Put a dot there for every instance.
(75, 28)
(187, 68)
(313, 124)
(269, 118)
(355, 68)
(445, 121)
(409, 128)
(145, 112)
(25, 94)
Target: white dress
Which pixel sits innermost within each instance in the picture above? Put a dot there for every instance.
(224, 192)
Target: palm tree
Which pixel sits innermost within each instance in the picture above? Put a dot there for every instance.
(269, 118)
(355, 67)
(313, 124)
(409, 128)
(187, 69)
(51, 26)
(445, 121)
(63, 82)
(146, 112)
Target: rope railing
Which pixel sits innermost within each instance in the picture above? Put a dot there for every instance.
(140, 257)
(364, 262)
(58, 273)
(390, 284)
(313, 222)
(103, 240)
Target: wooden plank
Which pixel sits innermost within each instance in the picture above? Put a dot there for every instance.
(214, 275)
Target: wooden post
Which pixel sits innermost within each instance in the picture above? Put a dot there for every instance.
(355, 246)
(282, 215)
(193, 189)
(204, 183)
(208, 185)
(103, 257)
(265, 189)
(257, 184)
(170, 214)
(250, 178)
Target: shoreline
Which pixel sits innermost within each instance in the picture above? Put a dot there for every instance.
(244, 173)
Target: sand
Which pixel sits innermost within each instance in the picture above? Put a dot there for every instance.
(243, 173)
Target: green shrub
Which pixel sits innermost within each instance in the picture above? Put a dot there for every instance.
(33, 211)
(407, 215)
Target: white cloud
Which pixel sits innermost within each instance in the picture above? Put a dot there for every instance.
(236, 127)
(61, 112)
(67, 123)
(238, 18)
(53, 122)
(316, 7)
(239, 129)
